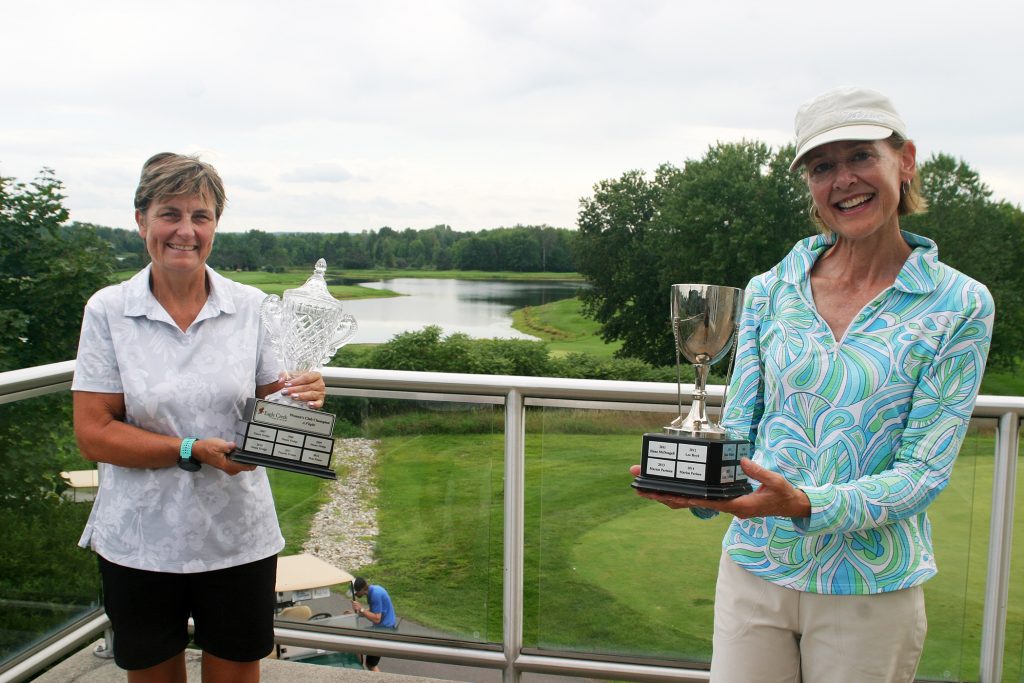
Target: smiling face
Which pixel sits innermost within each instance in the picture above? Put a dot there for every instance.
(179, 233)
(855, 184)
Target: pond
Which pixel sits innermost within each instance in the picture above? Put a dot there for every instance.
(479, 308)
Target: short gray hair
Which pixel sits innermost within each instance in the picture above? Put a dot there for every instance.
(172, 175)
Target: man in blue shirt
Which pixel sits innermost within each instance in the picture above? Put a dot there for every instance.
(380, 611)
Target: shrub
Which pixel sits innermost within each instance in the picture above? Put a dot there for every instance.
(427, 350)
(586, 366)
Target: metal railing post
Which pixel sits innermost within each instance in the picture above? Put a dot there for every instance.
(515, 511)
(997, 582)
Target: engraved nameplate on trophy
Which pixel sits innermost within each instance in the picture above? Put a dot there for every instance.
(271, 432)
(701, 468)
(694, 456)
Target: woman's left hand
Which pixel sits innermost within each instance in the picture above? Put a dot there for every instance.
(308, 387)
(776, 497)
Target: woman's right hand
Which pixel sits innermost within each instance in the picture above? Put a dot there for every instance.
(214, 452)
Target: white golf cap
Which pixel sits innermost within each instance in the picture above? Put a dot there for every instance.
(847, 113)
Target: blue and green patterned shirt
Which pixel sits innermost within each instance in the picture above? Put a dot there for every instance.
(868, 426)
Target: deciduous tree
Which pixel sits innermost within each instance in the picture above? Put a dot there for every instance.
(46, 275)
(980, 237)
(719, 220)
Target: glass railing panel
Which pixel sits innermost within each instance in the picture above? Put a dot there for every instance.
(46, 581)
(1013, 653)
(955, 597)
(606, 571)
(417, 509)
(609, 573)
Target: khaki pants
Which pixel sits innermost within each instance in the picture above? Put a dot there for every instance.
(765, 633)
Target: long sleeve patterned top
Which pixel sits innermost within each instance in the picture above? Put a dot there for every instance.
(868, 426)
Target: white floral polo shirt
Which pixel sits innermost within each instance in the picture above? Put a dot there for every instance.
(191, 383)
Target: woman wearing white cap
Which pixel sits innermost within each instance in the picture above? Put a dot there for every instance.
(859, 359)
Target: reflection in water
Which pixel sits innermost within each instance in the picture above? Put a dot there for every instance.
(479, 308)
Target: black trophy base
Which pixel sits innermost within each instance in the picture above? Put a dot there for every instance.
(694, 466)
(281, 464)
(707, 491)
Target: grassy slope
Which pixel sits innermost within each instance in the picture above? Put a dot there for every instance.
(297, 498)
(563, 326)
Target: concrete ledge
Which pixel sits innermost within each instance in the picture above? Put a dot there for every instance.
(85, 667)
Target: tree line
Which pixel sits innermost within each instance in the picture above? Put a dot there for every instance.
(735, 212)
(521, 248)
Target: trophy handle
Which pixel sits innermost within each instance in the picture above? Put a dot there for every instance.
(732, 366)
(271, 315)
(347, 328)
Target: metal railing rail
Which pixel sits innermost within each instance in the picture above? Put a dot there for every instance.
(516, 393)
(68, 642)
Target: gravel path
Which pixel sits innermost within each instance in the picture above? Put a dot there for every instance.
(344, 531)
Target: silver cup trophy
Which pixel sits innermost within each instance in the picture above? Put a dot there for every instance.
(305, 328)
(694, 456)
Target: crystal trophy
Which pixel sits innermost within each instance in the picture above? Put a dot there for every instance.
(693, 456)
(305, 328)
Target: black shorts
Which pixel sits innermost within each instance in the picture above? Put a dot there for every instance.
(233, 611)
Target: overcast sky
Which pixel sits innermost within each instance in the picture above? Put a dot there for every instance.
(350, 116)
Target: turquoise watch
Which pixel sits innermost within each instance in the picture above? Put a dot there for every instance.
(185, 460)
